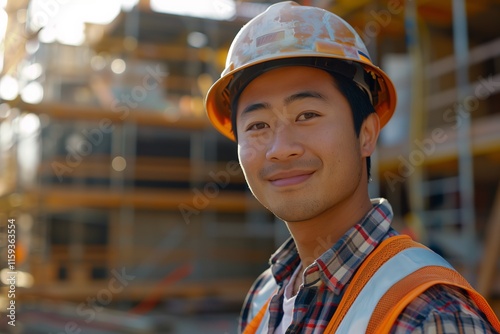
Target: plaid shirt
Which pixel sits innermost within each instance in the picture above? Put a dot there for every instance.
(438, 310)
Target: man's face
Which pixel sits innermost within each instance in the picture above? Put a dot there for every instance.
(296, 143)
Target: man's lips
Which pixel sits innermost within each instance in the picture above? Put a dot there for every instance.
(289, 178)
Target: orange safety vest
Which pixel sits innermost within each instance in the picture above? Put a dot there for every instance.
(391, 303)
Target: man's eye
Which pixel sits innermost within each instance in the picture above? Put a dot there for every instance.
(257, 126)
(307, 115)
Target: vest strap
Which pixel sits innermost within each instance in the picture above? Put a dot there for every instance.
(380, 255)
(403, 292)
(253, 325)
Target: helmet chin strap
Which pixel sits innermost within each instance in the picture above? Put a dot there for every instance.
(359, 79)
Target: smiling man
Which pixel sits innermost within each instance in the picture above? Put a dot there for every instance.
(305, 104)
(293, 163)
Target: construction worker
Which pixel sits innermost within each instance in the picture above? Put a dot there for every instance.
(305, 105)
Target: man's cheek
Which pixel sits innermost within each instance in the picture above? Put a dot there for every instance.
(246, 153)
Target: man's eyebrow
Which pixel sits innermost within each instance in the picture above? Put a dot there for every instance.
(255, 106)
(290, 99)
(304, 95)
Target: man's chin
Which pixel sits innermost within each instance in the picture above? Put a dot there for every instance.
(294, 213)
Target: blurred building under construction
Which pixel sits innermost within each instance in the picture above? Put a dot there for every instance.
(125, 197)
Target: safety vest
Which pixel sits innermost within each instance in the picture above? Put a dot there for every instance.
(394, 274)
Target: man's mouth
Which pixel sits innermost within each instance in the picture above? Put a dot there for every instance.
(289, 178)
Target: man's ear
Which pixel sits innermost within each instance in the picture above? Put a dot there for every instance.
(368, 134)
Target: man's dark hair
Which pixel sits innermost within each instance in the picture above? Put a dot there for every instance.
(358, 100)
(360, 104)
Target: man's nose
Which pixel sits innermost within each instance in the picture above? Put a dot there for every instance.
(285, 144)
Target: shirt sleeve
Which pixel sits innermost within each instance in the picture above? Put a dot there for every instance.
(442, 309)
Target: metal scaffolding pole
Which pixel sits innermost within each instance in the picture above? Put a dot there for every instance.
(417, 111)
(465, 164)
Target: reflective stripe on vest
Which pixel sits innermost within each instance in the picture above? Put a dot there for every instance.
(402, 264)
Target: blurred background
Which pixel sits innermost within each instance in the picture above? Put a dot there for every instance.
(131, 214)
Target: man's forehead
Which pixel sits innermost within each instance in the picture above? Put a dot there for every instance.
(285, 76)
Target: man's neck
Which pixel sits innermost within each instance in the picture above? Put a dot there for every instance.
(315, 236)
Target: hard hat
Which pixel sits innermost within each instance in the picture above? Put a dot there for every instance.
(290, 34)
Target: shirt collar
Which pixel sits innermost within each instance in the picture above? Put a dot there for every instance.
(336, 266)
